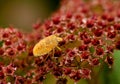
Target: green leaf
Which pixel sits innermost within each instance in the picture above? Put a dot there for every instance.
(22, 56)
(92, 50)
(20, 72)
(116, 66)
(10, 79)
(1, 59)
(111, 75)
(50, 79)
(1, 43)
(6, 60)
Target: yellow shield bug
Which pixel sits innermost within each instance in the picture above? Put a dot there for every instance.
(45, 45)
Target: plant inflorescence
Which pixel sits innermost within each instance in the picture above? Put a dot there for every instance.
(90, 31)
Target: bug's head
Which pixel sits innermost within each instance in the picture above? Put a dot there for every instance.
(56, 37)
(59, 39)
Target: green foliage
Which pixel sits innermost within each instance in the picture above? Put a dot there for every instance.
(116, 67)
(5, 60)
(92, 50)
(10, 79)
(111, 75)
(20, 72)
(1, 43)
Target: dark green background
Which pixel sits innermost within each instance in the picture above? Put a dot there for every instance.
(23, 13)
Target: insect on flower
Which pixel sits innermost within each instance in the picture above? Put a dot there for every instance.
(45, 45)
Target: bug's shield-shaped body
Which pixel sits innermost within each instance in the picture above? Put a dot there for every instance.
(45, 45)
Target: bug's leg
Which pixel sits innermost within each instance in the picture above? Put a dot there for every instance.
(46, 57)
(53, 52)
(58, 48)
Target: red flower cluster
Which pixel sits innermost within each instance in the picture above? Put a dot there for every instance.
(12, 42)
(12, 45)
(90, 32)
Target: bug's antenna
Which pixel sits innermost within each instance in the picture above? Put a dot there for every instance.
(58, 48)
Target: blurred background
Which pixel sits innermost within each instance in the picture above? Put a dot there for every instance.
(23, 13)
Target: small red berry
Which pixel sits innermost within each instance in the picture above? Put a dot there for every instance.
(48, 25)
(9, 71)
(5, 35)
(83, 35)
(85, 55)
(83, 47)
(19, 34)
(19, 47)
(36, 25)
(99, 51)
(62, 43)
(104, 16)
(57, 71)
(30, 51)
(87, 40)
(84, 10)
(117, 45)
(1, 75)
(98, 32)
(11, 52)
(56, 20)
(110, 48)
(68, 15)
(8, 42)
(102, 24)
(1, 51)
(110, 60)
(95, 42)
(111, 34)
(110, 18)
(118, 13)
(67, 71)
(90, 23)
(117, 26)
(71, 53)
(95, 61)
(71, 26)
(60, 29)
(85, 73)
(75, 75)
(47, 33)
(57, 54)
(71, 37)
